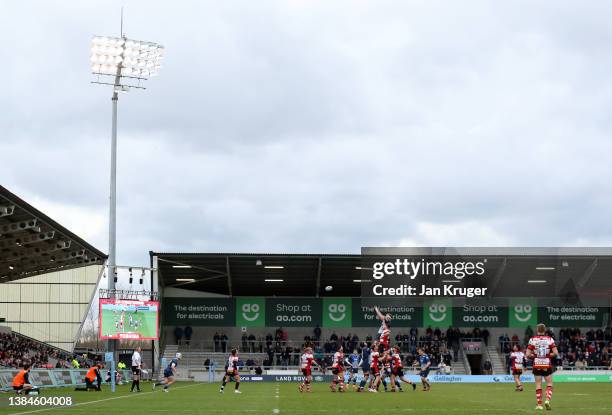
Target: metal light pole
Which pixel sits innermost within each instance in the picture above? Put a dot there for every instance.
(130, 62)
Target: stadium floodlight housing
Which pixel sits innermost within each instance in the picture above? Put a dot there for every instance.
(128, 61)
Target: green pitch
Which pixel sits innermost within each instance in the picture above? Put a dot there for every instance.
(143, 322)
(283, 398)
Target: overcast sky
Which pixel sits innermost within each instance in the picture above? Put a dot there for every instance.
(319, 127)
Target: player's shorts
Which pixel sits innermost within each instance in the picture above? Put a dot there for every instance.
(355, 370)
(398, 371)
(168, 373)
(365, 368)
(135, 370)
(387, 371)
(337, 370)
(17, 388)
(306, 371)
(231, 372)
(375, 370)
(543, 372)
(517, 372)
(424, 373)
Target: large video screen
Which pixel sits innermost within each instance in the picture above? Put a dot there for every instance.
(129, 319)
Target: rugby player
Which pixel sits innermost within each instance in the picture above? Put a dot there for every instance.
(375, 367)
(307, 360)
(353, 361)
(21, 381)
(425, 363)
(542, 349)
(365, 365)
(385, 372)
(231, 372)
(136, 367)
(169, 373)
(338, 371)
(384, 332)
(397, 370)
(516, 363)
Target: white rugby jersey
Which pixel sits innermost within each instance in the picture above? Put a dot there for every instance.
(516, 359)
(232, 362)
(306, 360)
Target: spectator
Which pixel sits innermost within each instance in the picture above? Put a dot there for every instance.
(258, 370)
(317, 333)
(488, 368)
(528, 334)
(217, 342)
(178, 334)
(485, 336)
(188, 333)
(244, 339)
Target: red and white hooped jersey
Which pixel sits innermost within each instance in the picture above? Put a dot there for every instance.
(516, 360)
(338, 359)
(396, 360)
(541, 346)
(306, 360)
(385, 337)
(232, 362)
(374, 356)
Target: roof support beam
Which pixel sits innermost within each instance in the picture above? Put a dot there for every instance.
(18, 253)
(229, 276)
(12, 228)
(497, 278)
(318, 284)
(587, 275)
(27, 239)
(7, 210)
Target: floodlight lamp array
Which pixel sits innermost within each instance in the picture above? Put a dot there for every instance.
(123, 57)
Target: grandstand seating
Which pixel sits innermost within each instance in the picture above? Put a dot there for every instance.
(16, 349)
(275, 350)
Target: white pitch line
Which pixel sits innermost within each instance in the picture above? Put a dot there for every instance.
(100, 400)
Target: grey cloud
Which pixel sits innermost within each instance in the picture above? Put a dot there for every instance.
(320, 126)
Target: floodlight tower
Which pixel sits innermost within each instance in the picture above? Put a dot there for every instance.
(123, 64)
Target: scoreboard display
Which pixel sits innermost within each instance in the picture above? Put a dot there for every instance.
(129, 319)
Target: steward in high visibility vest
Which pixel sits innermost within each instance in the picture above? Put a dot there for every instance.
(93, 378)
(21, 381)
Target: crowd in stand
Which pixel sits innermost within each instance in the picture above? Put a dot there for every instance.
(577, 349)
(15, 350)
(442, 346)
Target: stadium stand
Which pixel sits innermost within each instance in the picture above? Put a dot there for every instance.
(17, 349)
(588, 350)
(46, 271)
